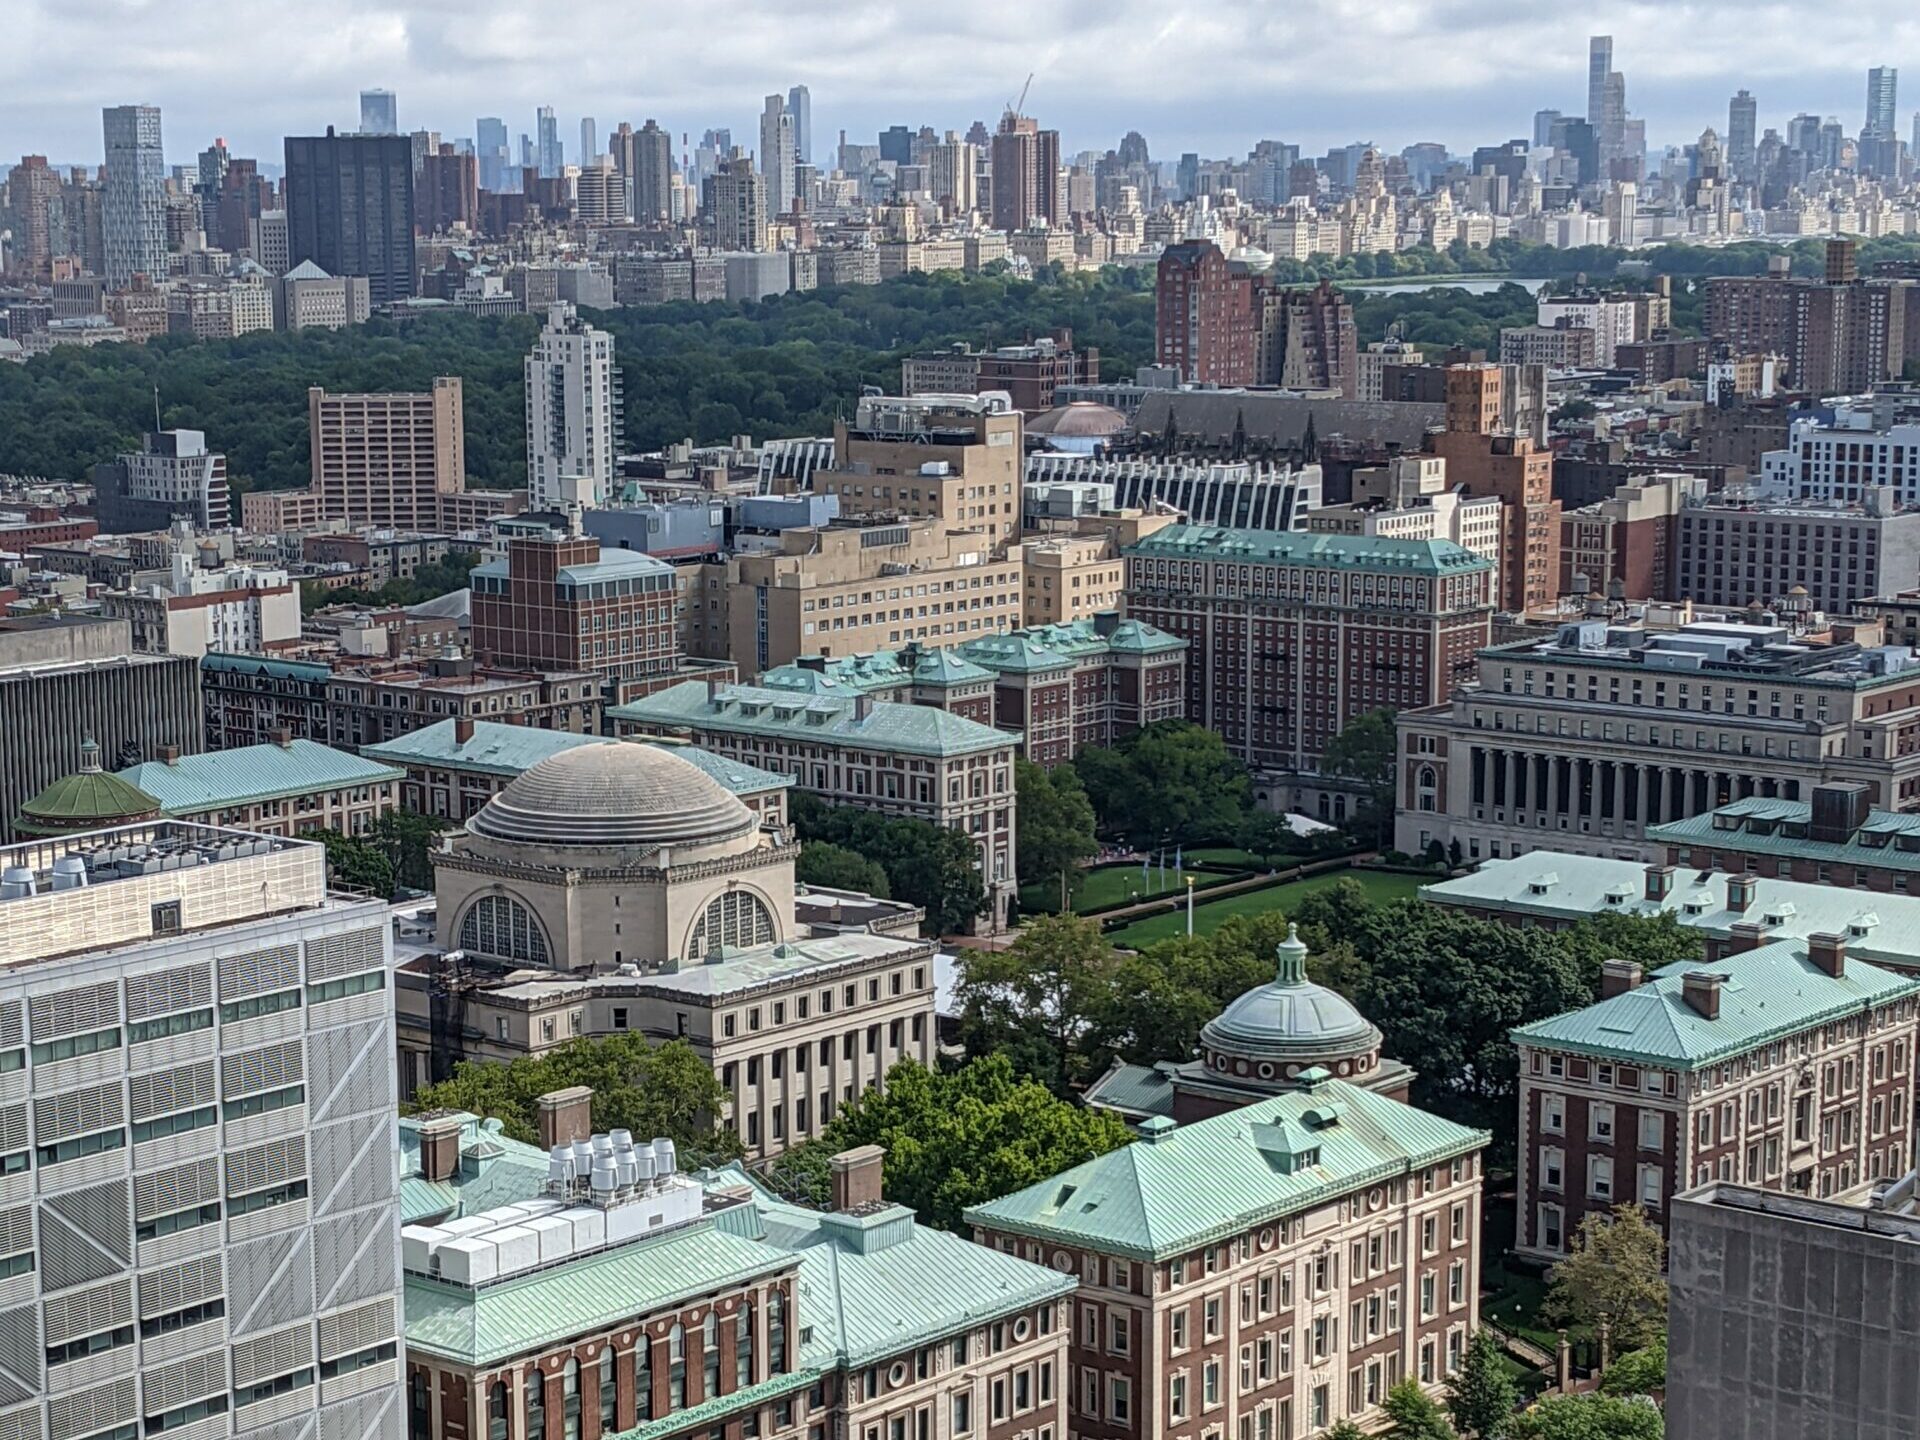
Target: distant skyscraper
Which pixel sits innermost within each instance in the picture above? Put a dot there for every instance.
(134, 205)
(896, 144)
(379, 112)
(1543, 121)
(647, 162)
(589, 141)
(550, 155)
(34, 187)
(573, 410)
(736, 202)
(1883, 83)
(777, 154)
(490, 144)
(1742, 125)
(1599, 66)
(800, 102)
(350, 208)
(1026, 173)
(206, 189)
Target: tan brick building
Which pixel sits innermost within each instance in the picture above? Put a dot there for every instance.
(952, 458)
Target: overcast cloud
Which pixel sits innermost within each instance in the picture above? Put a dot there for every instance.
(1213, 78)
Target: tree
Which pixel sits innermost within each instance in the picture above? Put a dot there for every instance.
(1053, 826)
(1415, 1415)
(835, 867)
(1589, 1417)
(1366, 753)
(1638, 1372)
(406, 837)
(1263, 835)
(1613, 1277)
(653, 1090)
(357, 863)
(1039, 997)
(969, 1135)
(1172, 783)
(1481, 1393)
(926, 864)
(1650, 941)
(1344, 1430)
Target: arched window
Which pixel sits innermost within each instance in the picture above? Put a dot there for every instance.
(676, 1367)
(643, 1379)
(743, 1344)
(504, 929)
(776, 1333)
(536, 1404)
(734, 920)
(497, 1402)
(710, 1355)
(609, 1391)
(570, 1400)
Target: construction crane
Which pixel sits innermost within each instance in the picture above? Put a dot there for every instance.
(1014, 106)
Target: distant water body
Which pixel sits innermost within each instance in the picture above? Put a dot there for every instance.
(1486, 285)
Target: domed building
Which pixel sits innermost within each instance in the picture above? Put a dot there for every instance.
(1265, 1042)
(610, 855)
(1078, 428)
(89, 799)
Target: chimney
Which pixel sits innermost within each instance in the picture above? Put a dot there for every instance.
(1836, 810)
(566, 1116)
(1829, 952)
(1701, 990)
(1659, 881)
(170, 754)
(1106, 623)
(283, 737)
(1740, 890)
(1745, 936)
(462, 729)
(856, 1177)
(439, 1146)
(1617, 977)
(862, 706)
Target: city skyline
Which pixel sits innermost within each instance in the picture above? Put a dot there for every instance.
(1214, 86)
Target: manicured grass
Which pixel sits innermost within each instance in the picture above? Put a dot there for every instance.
(1116, 884)
(1382, 888)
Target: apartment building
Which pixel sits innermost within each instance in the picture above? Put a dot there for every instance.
(907, 760)
(699, 1300)
(200, 1218)
(1582, 740)
(1558, 347)
(557, 601)
(1483, 458)
(1292, 637)
(249, 699)
(173, 476)
(194, 609)
(1071, 577)
(1845, 459)
(1305, 1253)
(1732, 551)
(395, 459)
(1626, 540)
(1030, 374)
(952, 458)
(1785, 1064)
(848, 589)
(1838, 336)
(1612, 320)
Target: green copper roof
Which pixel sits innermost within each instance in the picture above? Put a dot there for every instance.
(309, 670)
(1134, 1091)
(835, 719)
(218, 779)
(497, 749)
(1190, 1185)
(1759, 826)
(1284, 547)
(494, 1171)
(578, 1297)
(88, 799)
(1765, 994)
(1047, 647)
(878, 1284)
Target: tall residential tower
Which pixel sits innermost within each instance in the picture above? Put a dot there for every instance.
(133, 208)
(573, 413)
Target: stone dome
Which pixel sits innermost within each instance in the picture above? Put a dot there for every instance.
(620, 794)
(1079, 420)
(1290, 1022)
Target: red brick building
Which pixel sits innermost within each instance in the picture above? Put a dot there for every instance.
(1291, 637)
(556, 603)
(1219, 323)
(1488, 460)
(1788, 1066)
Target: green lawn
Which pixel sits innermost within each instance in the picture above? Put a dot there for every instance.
(1381, 887)
(1116, 884)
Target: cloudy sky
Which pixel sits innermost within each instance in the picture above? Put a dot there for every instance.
(1211, 78)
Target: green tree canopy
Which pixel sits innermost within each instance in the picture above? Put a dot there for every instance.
(405, 837)
(1366, 753)
(1039, 1000)
(357, 863)
(1638, 1372)
(1481, 1393)
(1171, 783)
(837, 868)
(1415, 1414)
(1613, 1276)
(653, 1090)
(926, 864)
(1589, 1417)
(1053, 825)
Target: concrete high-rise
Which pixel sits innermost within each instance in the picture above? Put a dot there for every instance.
(33, 187)
(736, 205)
(350, 208)
(379, 112)
(550, 156)
(777, 154)
(211, 174)
(800, 105)
(573, 413)
(1883, 84)
(1026, 173)
(1599, 66)
(589, 141)
(449, 190)
(1742, 125)
(203, 1232)
(1487, 458)
(953, 175)
(495, 157)
(644, 158)
(133, 209)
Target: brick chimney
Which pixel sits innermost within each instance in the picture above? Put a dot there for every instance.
(462, 729)
(1747, 935)
(283, 737)
(1740, 890)
(1829, 952)
(1617, 977)
(169, 754)
(439, 1146)
(566, 1116)
(1659, 881)
(856, 1177)
(1701, 990)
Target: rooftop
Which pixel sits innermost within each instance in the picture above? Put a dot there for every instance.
(1287, 547)
(1182, 1186)
(499, 749)
(1889, 1208)
(1878, 927)
(842, 719)
(612, 793)
(1766, 649)
(1884, 840)
(1765, 994)
(219, 779)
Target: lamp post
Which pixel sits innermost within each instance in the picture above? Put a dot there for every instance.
(1189, 907)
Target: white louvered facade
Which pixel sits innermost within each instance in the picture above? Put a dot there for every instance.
(198, 1215)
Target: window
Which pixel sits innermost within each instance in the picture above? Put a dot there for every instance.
(92, 1042)
(1653, 1130)
(1600, 1177)
(1600, 1121)
(1177, 1396)
(1650, 1186)
(962, 1412)
(501, 927)
(1119, 1399)
(1457, 1283)
(734, 920)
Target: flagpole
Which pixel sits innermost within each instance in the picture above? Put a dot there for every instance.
(1189, 907)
